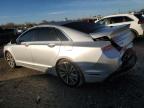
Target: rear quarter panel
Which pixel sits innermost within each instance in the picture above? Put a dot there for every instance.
(82, 51)
(90, 57)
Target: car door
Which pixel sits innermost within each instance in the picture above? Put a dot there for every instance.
(45, 50)
(22, 50)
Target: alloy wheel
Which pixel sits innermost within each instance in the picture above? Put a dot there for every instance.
(68, 73)
(10, 60)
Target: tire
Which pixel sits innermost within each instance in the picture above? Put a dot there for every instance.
(10, 60)
(69, 73)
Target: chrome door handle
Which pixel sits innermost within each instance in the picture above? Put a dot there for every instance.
(51, 45)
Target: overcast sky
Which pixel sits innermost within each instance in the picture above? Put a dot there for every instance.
(20, 11)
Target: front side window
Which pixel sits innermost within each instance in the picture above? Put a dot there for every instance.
(101, 21)
(105, 21)
(28, 36)
(47, 34)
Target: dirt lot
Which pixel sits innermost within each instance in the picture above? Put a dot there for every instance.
(25, 88)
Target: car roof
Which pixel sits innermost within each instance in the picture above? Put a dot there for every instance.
(83, 26)
(131, 15)
(115, 15)
(74, 35)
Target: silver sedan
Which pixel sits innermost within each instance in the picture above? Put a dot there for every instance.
(77, 55)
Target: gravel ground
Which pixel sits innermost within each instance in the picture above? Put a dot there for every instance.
(25, 88)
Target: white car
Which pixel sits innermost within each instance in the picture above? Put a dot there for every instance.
(78, 55)
(136, 22)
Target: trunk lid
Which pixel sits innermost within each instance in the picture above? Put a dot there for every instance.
(119, 36)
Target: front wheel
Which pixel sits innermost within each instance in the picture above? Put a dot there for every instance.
(10, 60)
(69, 73)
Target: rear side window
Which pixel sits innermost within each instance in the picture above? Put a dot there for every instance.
(114, 20)
(61, 35)
(121, 19)
(47, 34)
(126, 19)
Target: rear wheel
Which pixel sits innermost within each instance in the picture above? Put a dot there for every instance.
(69, 73)
(10, 60)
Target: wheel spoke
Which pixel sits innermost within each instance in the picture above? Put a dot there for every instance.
(71, 69)
(62, 72)
(66, 66)
(62, 69)
(67, 79)
(72, 81)
(7, 59)
(73, 75)
(63, 76)
(11, 64)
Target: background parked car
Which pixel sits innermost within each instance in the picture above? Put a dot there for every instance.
(6, 35)
(136, 22)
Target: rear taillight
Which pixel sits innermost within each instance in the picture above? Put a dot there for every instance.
(110, 52)
(104, 38)
(141, 22)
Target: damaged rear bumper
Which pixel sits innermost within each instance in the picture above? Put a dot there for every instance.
(100, 74)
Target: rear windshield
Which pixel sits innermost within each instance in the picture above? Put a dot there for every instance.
(83, 26)
(140, 16)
